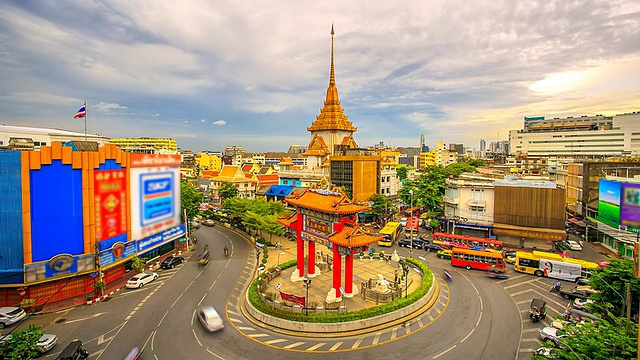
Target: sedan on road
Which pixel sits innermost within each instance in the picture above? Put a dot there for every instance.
(171, 262)
(416, 242)
(434, 247)
(444, 254)
(552, 334)
(574, 294)
(44, 343)
(208, 222)
(209, 318)
(141, 280)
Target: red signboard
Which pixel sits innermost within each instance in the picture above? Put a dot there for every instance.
(300, 300)
(110, 203)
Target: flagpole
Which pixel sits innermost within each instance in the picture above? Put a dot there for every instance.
(85, 121)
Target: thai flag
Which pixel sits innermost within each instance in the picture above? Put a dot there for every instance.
(82, 112)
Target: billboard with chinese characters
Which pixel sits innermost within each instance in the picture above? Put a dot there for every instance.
(630, 205)
(155, 194)
(110, 197)
(609, 202)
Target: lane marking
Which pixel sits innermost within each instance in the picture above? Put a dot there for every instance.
(275, 341)
(258, 335)
(394, 332)
(214, 354)
(518, 284)
(377, 337)
(357, 343)
(466, 337)
(246, 328)
(316, 346)
(444, 352)
(177, 300)
(290, 346)
(336, 345)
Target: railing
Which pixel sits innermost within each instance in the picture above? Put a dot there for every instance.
(451, 200)
(473, 202)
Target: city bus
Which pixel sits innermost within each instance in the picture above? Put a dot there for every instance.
(413, 226)
(477, 259)
(465, 241)
(390, 233)
(552, 265)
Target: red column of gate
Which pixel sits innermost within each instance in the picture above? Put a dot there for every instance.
(348, 274)
(311, 258)
(299, 247)
(337, 270)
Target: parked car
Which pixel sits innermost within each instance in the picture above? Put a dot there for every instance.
(141, 280)
(195, 224)
(416, 242)
(171, 262)
(574, 245)
(208, 222)
(434, 247)
(552, 334)
(44, 344)
(10, 315)
(444, 254)
(209, 318)
(574, 294)
(581, 304)
(546, 352)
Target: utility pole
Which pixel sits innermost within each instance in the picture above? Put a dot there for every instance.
(628, 301)
(186, 223)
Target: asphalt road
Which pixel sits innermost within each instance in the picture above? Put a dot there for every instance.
(474, 317)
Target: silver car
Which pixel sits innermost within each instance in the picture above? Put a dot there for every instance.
(552, 334)
(10, 315)
(209, 318)
(44, 344)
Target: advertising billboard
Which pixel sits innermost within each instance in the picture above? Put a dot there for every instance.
(609, 202)
(630, 207)
(59, 265)
(155, 194)
(110, 202)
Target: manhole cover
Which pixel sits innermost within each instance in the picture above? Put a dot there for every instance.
(107, 299)
(60, 321)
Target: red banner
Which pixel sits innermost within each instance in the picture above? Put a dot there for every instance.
(110, 203)
(300, 300)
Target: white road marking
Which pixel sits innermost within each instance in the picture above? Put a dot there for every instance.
(466, 337)
(258, 335)
(315, 346)
(336, 345)
(85, 318)
(444, 352)
(177, 300)
(275, 341)
(518, 284)
(163, 316)
(214, 354)
(377, 337)
(290, 346)
(196, 336)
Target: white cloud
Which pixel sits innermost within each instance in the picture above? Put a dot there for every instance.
(219, 122)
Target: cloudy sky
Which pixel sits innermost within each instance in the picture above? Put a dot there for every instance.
(216, 73)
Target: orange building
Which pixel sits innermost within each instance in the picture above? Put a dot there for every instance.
(358, 173)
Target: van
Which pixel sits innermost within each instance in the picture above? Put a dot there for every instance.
(10, 315)
(73, 351)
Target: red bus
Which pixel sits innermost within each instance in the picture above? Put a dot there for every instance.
(413, 225)
(465, 241)
(476, 259)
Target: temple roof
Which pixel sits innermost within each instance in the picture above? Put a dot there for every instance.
(317, 147)
(327, 202)
(352, 236)
(285, 161)
(288, 220)
(332, 115)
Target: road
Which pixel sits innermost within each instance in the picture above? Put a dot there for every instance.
(474, 317)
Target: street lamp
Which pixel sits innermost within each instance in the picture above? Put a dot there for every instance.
(307, 284)
(281, 253)
(410, 219)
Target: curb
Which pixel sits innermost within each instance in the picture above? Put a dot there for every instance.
(100, 298)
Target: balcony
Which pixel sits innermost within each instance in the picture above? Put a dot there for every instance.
(478, 203)
(450, 200)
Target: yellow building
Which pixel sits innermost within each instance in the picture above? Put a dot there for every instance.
(206, 161)
(146, 145)
(428, 158)
(358, 174)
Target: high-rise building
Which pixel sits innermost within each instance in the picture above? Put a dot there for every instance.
(483, 145)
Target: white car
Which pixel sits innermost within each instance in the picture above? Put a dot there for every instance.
(209, 318)
(550, 333)
(44, 344)
(11, 315)
(574, 245)
(403, 221)
(581, 304)
(141, 280)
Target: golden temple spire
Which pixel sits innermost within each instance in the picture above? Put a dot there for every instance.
(332, 115)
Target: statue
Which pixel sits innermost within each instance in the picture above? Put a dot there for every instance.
(394, 256)
(382, 286)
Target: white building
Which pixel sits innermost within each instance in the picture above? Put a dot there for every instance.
(581, 137)
(44, 136)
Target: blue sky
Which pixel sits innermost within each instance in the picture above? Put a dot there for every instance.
(216, 73)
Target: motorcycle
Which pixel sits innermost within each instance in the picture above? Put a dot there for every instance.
(447, 275)
(556, 287)
(226, 252)
(537, 310)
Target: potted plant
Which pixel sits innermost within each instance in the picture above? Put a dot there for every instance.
(381, 254)
(26, 304)
(361, 255)
(99, 287)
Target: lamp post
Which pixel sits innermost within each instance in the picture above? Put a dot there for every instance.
(411, 219)
(307, 284)
(281, 253)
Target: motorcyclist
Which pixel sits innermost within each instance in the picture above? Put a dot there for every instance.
(226, 251)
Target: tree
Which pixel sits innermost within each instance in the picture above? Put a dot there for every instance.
(428, 189)
(190, 199)
(476, 162)
(379, 205)
(611, 282)
(456, 169)
(401, 171)
(608, 340)
(22, 344)
(227, 191)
